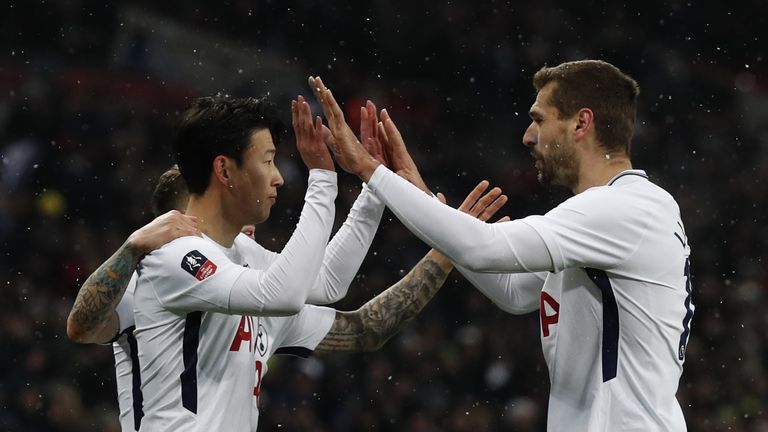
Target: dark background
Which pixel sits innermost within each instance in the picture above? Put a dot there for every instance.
(89, 92)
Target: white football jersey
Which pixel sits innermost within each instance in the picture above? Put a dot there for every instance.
(342, 259)
(615, 313)
(200, 369)
(127, 376)
(615, 309)
(296, 335)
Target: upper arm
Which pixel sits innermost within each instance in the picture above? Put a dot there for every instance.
(190, 274)
(103, 333)
(594, 229)
(515, 293)
(347, 334)
(93, 313)
(306, 330)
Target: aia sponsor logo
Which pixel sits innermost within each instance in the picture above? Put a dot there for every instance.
(198, 265)
(549, 309)
(244, 334)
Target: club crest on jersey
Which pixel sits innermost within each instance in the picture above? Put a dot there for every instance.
(261, 340)
(198, 265)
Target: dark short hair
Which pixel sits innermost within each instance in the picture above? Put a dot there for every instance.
(219, 125)
(600, 86)
(170, 192)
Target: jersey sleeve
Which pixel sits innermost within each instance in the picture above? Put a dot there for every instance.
(596, 228)
(193, 274)
(258, 254)
(124, 309)
(467, 241)
(190, 274)
(347, 249)
(515, 293)
(305, 330)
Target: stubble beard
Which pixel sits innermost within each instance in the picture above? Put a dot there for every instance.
(559, 165)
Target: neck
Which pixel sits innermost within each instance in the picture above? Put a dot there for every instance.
(214, 223)
(599, 169)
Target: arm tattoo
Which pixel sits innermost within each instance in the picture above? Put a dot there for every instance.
(101, 292)
(367, 328)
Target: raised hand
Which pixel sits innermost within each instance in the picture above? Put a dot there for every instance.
(162, 230)
(480, 204)
(400, 160)
(350, 153)
(311, 136)
(371, 139)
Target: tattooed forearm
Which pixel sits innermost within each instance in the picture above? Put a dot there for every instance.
(367, 328)
(101, 292)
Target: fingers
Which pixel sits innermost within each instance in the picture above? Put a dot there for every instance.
(365, 125)
(504, 219)
(383, 140)
(393, 134)
(301, 118)
(483, 205)
(311, 136)
(303, 123)
(396, 152)
(473, 196)
(319, 90)
(175, 225)
(327, 136)
(485, 201)
(441, 198)
(331, 108)
(249, 230)
(368, 120)
(305, 115)
(370, 109)
(382, 133)
(494, 207)
(295, 118)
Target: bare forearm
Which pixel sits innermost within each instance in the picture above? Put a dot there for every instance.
(93, 314)
(369, 327)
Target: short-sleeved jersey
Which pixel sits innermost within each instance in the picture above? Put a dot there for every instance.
(199, 367)
(295, 335)
(127, 376)
(615, 312)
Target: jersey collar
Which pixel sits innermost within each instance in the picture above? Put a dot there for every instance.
(633, 172)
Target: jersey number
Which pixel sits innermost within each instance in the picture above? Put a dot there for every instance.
(688, 311)
(548, 320)
(257, 389)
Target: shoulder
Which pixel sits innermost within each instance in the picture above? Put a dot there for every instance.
(256, 255)
(625, 200)
(181, 246)
(245, 243)
(623, 210)
(184, 253)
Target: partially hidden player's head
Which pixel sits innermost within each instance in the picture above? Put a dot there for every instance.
(580, 106)
(170, 192)
(225, 148)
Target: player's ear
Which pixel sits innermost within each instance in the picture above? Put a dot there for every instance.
(584, 123)
(221, 167)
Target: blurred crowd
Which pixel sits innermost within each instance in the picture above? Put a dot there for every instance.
(89, 93)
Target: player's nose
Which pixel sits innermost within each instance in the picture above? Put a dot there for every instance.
(531, 136)
(277, 181)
